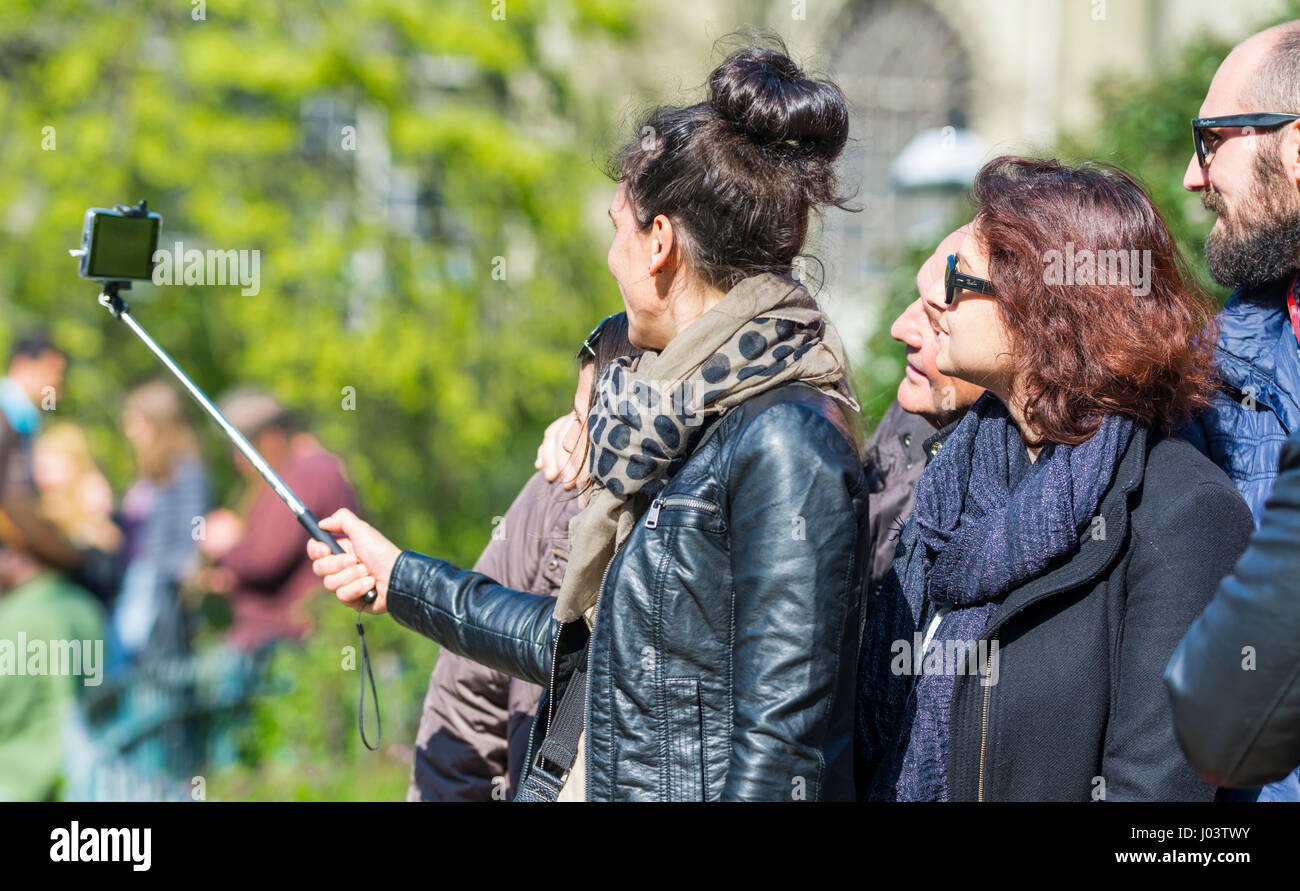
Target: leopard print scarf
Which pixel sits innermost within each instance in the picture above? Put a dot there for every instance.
(651, 409)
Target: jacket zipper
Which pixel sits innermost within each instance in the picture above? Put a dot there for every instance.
(555, 655)
(984, 733)
(652, 515)
(550, 708)
(586, 703)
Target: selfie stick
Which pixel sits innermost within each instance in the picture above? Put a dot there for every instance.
(110, 299)
(119, 309)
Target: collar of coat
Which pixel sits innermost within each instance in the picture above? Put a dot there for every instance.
(935, 442)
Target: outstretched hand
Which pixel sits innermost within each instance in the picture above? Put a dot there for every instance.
(367, 561)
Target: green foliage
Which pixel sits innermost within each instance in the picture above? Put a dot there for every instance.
(1145, 128)
(454, 371)
(233, 128)
(302, 735)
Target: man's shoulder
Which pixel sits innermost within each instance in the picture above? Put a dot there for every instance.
(898, 423)
(544, 506)
(1249, 323)
(319, 478)
(316, 463)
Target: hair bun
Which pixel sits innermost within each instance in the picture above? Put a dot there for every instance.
(763, 94)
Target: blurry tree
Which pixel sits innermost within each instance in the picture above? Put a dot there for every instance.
(418, 180)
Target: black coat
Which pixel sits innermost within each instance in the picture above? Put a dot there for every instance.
(722, 657)
(1078, 710)
(1235, 678)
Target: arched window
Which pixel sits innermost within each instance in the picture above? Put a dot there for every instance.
(904, 72)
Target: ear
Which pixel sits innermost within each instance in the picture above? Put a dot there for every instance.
(663, 239)
(1291, 151)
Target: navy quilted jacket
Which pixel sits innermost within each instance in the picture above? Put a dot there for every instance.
(1259, 408)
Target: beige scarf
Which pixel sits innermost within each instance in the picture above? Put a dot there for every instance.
(765, 332)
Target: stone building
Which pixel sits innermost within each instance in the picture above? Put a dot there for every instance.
(936, 87)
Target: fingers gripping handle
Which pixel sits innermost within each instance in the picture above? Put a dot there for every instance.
(312, 525)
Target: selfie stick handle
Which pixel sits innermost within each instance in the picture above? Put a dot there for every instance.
(119, 309)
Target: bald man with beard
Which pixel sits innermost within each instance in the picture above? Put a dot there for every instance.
(1233, 722)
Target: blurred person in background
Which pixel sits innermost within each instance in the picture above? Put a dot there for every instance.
(41, 607)
(159, 513)
(73, 492)
(33, 380)
(31, 387)
(474, 729)
(258, 555)
(1246, 168)
(32, 384)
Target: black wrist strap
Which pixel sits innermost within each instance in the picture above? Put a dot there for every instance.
(367, 672)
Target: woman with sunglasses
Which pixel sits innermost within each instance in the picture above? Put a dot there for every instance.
(1062, 540)
(703, 643)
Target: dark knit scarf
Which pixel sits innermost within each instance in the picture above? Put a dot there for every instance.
(988, 521)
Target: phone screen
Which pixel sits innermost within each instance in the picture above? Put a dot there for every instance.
(122, 247)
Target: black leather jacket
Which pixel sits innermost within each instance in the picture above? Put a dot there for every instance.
(1235, 678)
(724, 645)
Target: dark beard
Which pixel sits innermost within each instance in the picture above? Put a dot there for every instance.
(1239, 257)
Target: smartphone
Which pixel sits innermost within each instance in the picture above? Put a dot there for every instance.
(118, 246)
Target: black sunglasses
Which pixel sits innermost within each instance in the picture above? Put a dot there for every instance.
(955, 281)
(589, 343)
(1262, 119)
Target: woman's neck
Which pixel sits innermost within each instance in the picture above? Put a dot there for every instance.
(692, 302)
(1028, 432)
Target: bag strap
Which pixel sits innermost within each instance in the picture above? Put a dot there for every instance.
(560, 747)
(559, 750)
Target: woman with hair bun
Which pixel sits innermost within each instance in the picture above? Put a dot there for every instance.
(703, 640)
